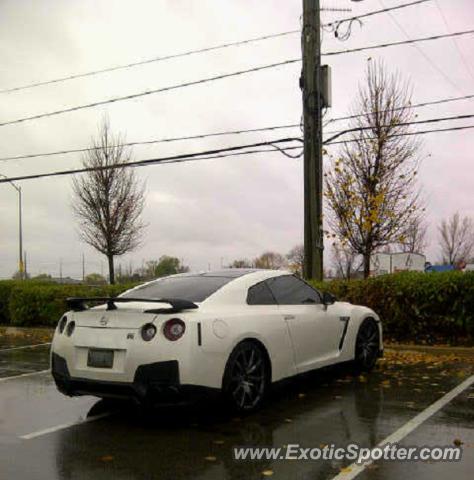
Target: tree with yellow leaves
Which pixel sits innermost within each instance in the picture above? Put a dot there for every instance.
(371, 188)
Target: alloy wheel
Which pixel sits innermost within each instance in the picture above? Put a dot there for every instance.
(367, 345)
(247, 376)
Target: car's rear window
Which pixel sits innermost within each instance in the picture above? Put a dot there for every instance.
(193, 288)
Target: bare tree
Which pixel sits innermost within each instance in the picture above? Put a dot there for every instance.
(296, 259)
(414, 239)
(456, 239)
(271, 260)
(108, 200)
(344, 260)
(371, 189)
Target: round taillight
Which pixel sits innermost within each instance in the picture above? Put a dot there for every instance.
(148, 331)
(70, 328)
(62, 324)
(174, 329)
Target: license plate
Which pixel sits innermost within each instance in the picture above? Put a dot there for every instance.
(100, 358)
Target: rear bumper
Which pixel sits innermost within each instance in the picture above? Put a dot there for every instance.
(157, 382)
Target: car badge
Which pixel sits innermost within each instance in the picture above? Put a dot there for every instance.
(103, 321)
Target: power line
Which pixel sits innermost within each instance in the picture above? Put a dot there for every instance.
(225, 133)
(207, 154)
(150, 60)
(220, 77)
(422, 52)
(195, 51)
(416, 105)
(375, 12)
(408, 134)
(401, 124)
(150, 142)
(150, 92)
(220, 153)
(402, 42)
(458, 48)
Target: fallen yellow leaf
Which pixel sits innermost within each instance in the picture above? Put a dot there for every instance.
(345, 469)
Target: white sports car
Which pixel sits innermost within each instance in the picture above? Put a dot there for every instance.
(233, 330)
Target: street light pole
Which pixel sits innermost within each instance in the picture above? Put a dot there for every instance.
(21, 265)
(20, 227)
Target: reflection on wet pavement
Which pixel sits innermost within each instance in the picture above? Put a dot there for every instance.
(196, 442)
(16, 362)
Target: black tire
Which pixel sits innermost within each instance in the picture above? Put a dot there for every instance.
(367, 345)
(247, 377)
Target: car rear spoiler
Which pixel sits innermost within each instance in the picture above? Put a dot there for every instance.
(79, 304)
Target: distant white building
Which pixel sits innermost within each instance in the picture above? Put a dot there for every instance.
(380, 264)
(383, 263)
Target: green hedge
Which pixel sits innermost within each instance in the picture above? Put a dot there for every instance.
(31, 304)
(415, 306)
(432, 307)
(6, 287)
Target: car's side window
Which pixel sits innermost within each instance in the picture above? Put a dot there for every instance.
(260, 294)
(290, 290)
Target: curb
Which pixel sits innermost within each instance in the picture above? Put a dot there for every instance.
(433, 350)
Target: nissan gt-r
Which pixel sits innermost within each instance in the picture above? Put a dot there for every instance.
(236, 331)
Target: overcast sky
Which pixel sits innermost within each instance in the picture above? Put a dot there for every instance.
(211, 211)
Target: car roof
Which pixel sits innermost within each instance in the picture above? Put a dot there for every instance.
(225, 273)
(239, 279)
(229, 272)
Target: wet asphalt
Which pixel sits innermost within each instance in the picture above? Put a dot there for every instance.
(195, 442)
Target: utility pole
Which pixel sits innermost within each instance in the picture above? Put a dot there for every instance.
(310, 83)
(83, 268)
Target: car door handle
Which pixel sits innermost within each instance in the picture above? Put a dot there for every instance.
(289, 317)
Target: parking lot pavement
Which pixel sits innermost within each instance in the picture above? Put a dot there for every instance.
(454, 423)
(44, 435)
(20, 360)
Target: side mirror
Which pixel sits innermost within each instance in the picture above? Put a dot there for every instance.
(328, 298)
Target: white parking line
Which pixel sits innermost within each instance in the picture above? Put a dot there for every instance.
(23, 346)
(29, 374)
(63, 426)
(353, 470)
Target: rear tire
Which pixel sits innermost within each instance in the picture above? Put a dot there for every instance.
(246, 377)
(367, 345)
